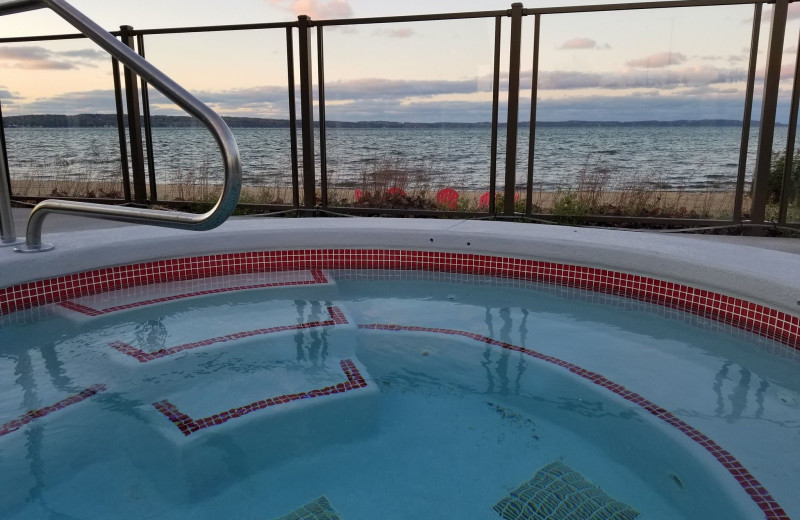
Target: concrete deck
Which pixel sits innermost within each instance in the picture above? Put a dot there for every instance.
(62, 223)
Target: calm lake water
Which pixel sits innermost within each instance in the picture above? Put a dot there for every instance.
(687, 157)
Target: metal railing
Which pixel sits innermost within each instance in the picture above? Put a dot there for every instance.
(310, 192)
(222, 134)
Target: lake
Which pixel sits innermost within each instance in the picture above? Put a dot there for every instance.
(695, 158)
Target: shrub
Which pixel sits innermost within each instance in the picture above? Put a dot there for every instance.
(775, 183)
(393, 200)
(569, 204)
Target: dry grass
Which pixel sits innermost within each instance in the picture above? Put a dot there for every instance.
(89, 189)
(593, 191)
(633, 202)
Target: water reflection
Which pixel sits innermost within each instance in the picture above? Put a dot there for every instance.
(312, 344)
(502, 372)
(732, 403)
(151, 336)
(55, 368)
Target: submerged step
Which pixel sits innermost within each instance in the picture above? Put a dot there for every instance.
(125, 299)
(145, 353)
(352, 379)
(218, 431)
(150, 333)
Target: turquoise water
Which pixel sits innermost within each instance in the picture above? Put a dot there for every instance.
(445, 427)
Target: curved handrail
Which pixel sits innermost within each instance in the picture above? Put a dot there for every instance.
(222, 134)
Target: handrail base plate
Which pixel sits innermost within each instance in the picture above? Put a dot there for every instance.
(11, 242)
(41, 248)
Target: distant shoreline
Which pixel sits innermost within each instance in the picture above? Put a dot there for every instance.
(159, 121)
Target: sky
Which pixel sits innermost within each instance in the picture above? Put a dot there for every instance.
(667, 64)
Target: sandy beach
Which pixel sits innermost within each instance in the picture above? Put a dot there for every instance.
(712, 204)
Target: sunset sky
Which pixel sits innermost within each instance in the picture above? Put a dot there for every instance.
(668, 64)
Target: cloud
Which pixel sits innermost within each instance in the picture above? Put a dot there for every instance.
(89, 54)
(272, 101)
(616, 108)
(394, 110)
(377, 88)
(86, 102)
(316, 9)
(31, 58)
(245, 96)
(661, 59)
(579, 43)
(636, 78)
(695, 103)
(39, 58)
(661, 93)
(403, 32)
(8, 97)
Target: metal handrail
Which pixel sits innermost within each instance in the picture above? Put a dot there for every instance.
(219, 129)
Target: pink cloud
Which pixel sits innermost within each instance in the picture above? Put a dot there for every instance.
(661, 59)
(579, 43)
(316, 9)
(401, 33)
(39, 58)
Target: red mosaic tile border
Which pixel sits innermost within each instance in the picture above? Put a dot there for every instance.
(737, 312)
(32, 415)
(318, 278)
(188, 426)
(336, 314)
(757, 492)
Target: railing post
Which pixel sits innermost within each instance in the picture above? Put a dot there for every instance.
(513, 108)
(323, 144)
(307, 112)
(769, 104)
(292, 118)
(532, 123)
(744, 144)
(123, 145)
(134, 124)
(790, 137)
(148, 128)
(8, 235)
(495, 108)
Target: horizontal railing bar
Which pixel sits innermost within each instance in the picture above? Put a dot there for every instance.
(166, 30)
(657, 4)
(406, 212)
(44, 38)
(411, 18)
(215, 28)
(619, 219)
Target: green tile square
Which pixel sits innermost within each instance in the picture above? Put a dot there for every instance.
(557, 492)
(319, 509)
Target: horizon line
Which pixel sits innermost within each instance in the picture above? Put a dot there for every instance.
(390, 122)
